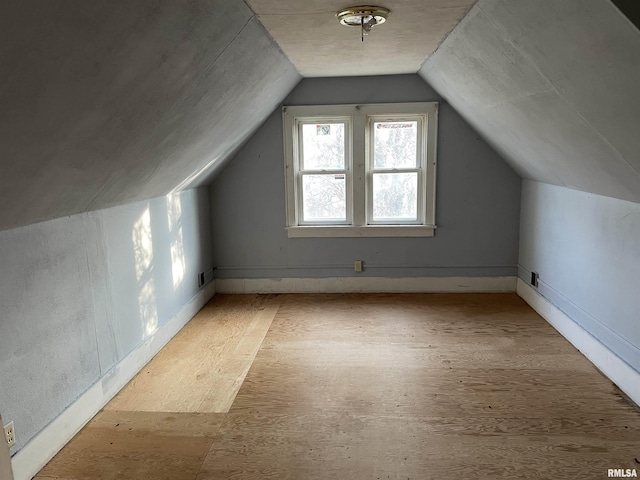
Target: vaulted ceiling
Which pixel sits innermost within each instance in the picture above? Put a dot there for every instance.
(106, 103)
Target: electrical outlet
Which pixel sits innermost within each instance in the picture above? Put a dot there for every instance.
(10, 434)
(205, 277)
(358, 265)
(534, 279)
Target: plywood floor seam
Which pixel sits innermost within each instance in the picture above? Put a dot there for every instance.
(202, 368)
(362, 387)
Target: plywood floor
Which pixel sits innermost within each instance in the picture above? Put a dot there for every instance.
(361, 387)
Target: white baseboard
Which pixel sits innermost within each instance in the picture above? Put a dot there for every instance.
(366, 284)
(42, 448)
(618, 371)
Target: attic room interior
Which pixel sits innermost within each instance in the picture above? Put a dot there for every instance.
(174, 305)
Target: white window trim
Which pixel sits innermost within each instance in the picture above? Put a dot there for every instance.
(357, 186)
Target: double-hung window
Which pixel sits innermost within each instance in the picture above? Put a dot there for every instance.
(360, 170)
(324, 171)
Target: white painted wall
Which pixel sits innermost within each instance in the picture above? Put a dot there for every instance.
(78, 294)
(586, 249)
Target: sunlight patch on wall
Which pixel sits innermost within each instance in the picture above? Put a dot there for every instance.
(142, 244)
(177, 259)
(148, 310)
(143, 252)
(174, 210)
(174, 217)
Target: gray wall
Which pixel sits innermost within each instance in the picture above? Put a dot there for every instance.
(586, 249)
(77, 294)
(478, 201)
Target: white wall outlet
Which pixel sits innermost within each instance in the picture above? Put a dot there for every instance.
(10, 434)
(358, 266)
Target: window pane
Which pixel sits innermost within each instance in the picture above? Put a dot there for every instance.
(323, 146)
(324, 197)
(395, 144)
(395, 196)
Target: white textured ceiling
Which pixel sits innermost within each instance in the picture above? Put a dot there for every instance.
(311, 36)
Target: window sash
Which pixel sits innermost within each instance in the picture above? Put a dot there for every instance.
(346, 121)
(421, 159)
(301, 198)
(300, 171)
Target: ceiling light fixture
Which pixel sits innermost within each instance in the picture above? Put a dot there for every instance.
(365, 17)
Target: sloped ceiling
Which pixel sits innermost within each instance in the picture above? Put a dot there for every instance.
(105, 102)
(313, 39)
(553, 85)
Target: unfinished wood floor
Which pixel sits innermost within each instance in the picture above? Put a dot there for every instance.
(361, 387)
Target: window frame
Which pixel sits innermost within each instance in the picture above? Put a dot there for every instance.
(358, 163)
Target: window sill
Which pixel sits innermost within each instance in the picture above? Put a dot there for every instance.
(368, 231)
